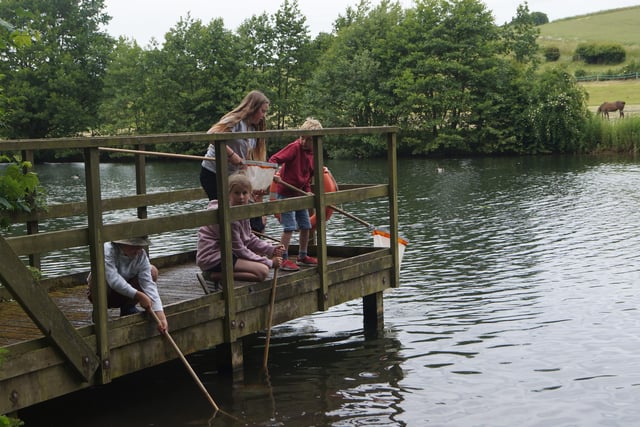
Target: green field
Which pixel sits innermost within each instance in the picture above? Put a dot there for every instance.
(566, 34)
(596, 27)
(621, 90)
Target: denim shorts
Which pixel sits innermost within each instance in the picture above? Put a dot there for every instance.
(295, 220)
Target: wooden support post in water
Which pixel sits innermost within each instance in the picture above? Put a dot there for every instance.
(373, 311)
(230, 358)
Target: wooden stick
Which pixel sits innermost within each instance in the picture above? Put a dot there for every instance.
(186, 363)
(270, 318)
(157, 153)
(335, 208)
(259, 234)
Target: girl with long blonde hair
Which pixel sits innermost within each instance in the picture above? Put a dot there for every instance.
(248, 116)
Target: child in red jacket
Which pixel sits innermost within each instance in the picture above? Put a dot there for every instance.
(296, 169)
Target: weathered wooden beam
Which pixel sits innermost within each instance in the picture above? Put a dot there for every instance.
(174, 138)
(392, 164)
(224, 222)
(373, 314)
(44, 313)
(96, 250)
(350, 193)
(356, 194)
(321, 223)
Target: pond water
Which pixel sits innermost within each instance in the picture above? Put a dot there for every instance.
(518, 305)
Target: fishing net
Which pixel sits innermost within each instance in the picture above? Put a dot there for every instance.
(260, 174)
(382, 239)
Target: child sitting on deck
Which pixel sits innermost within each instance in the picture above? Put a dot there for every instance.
(131, 278)
(252, 257)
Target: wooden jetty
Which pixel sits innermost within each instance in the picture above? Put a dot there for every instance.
(49, 344)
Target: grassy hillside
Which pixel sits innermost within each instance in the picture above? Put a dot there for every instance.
(617, 26)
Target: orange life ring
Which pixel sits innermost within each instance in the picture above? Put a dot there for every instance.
(329, 187)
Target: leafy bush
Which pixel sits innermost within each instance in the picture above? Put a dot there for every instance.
(539, 18)
(556, 114)
(592, 53)
(552, 53)
(581, 72)
(631, 67)
(20, 190)
(10, 422)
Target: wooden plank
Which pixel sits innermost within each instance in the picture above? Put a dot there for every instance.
(62, 239)
(174, 138)
(392, 165)
(45, 313)
(96, 252)
(321, 224)
(49, 241)
(356, 194)
(350, 193)
(141, 180)
(64, 210)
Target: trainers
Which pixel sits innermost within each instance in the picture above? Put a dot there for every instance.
(126, 310)
(307, 260)
(288, 265)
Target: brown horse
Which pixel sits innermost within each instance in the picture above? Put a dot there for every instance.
(609, 107)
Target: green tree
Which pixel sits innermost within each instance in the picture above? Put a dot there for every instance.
(183, 86)
(350, 86)
(193, 76)
(277, 51)
(291, 56)
(123, 108)
(449, 68)
(521, 36)
(11, 37)
(53, 86)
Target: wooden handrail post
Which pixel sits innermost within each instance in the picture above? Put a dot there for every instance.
(35, 260)
(141, 180)
(222, 173)
(393, 206)
(96, 251)
(321, 225)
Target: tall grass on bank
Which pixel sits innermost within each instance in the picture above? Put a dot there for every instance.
(618, 136)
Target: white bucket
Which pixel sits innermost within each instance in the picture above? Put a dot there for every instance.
(382, 239)
(260, 174)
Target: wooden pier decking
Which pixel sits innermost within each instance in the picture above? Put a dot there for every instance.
(175, 283)
(34, 371)
(49, 345)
